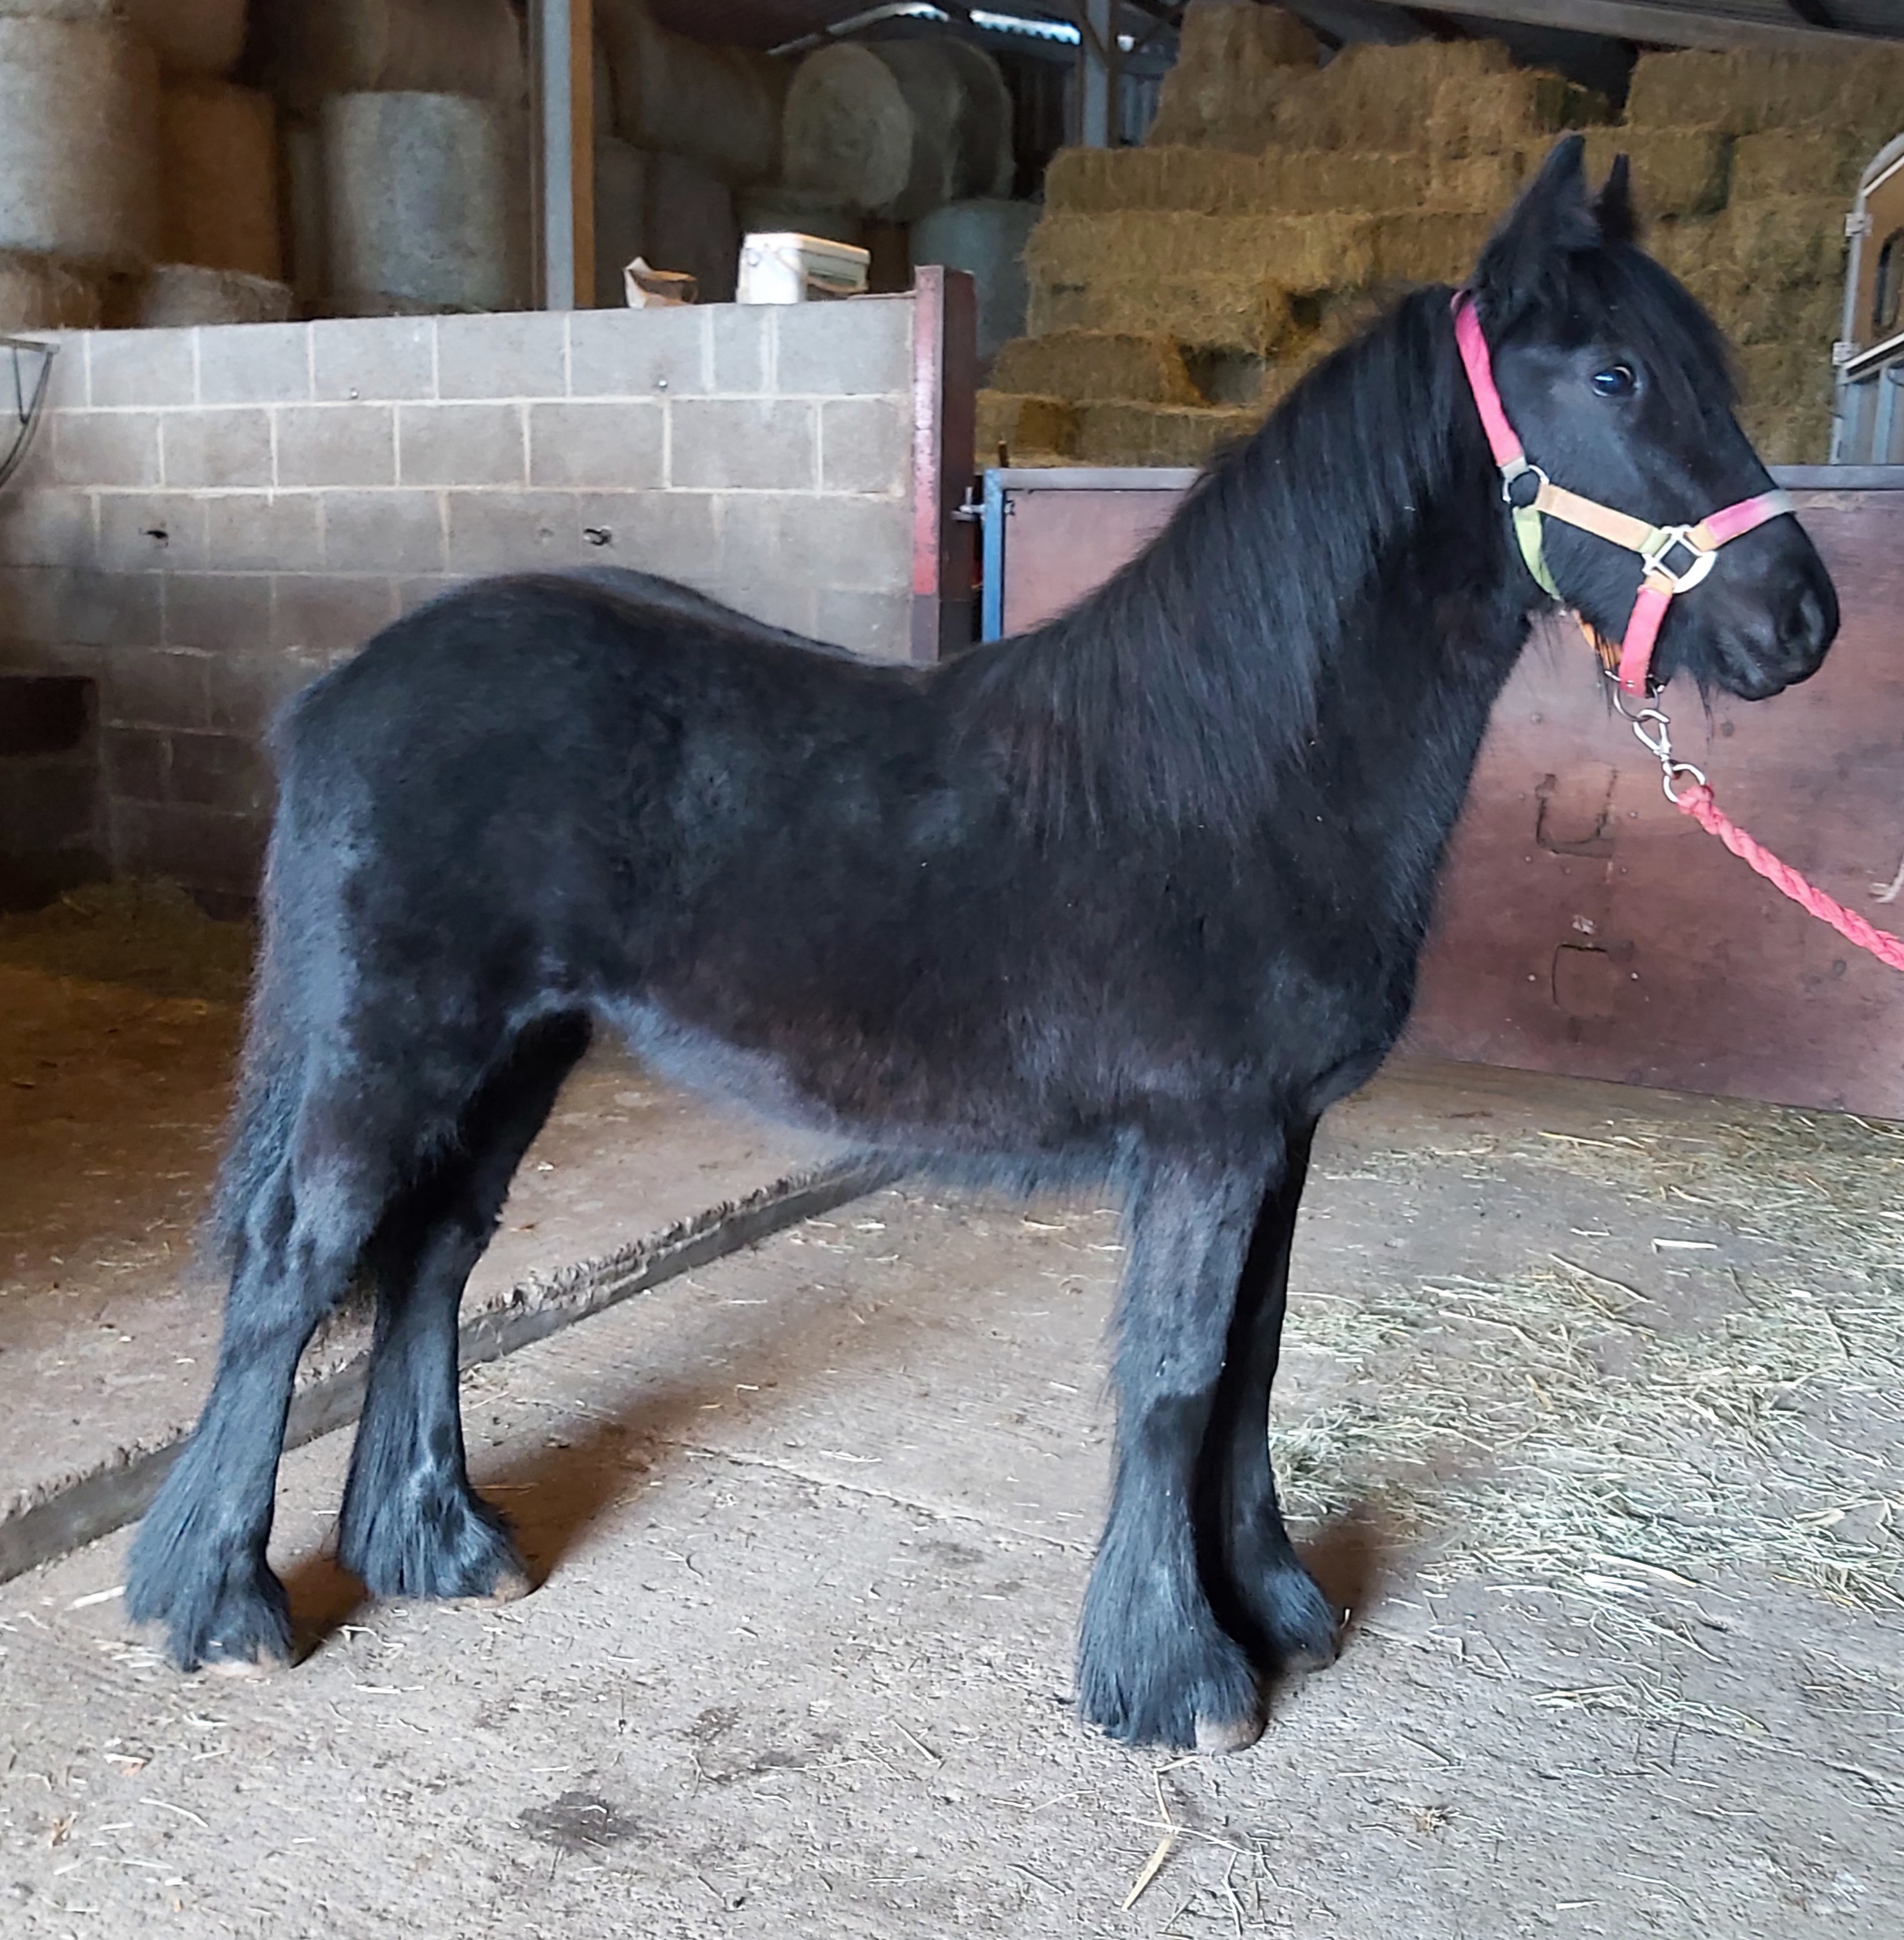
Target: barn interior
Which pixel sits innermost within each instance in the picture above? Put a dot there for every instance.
(312, 309)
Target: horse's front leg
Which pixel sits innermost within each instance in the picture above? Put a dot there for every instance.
(1156, 1665)
(1262, 1593)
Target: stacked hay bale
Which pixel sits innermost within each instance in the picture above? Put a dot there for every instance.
(79, 146)
(405, 148)
(1178, 290)
(1788, 137)
(681, 127)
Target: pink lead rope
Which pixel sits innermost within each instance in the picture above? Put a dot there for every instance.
(1531, 496)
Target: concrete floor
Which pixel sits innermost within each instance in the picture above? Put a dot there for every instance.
(1596, 1427)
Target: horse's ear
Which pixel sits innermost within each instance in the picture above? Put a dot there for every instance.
(1553, 220)
(1613, 206)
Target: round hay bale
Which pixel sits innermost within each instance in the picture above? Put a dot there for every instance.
(777, 211)
(720, 107)
(621, 188)
(417, 46)
(190, 37)
(79, 140)
(988, 238)
(848, 131)
(960, 134)
(934, 127)
(425, 204)
(174, 294)
(218, 159)
(37, 293)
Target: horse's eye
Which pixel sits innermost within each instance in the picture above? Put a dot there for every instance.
(1615, 381)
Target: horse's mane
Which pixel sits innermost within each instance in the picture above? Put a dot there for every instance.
(1170, 695)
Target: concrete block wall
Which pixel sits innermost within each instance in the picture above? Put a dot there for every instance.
(210, 517)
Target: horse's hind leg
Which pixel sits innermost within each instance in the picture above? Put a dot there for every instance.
(1155, 1664)
(1259, 1589)
(197, 1564)
(412, 1526)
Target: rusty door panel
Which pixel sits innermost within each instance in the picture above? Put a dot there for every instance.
(1585, 926)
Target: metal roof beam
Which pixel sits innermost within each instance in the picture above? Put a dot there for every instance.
(1671, 25)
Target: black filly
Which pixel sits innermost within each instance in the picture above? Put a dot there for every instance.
(1135, 896)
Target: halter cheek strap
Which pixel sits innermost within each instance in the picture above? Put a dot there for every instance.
(1673, 558)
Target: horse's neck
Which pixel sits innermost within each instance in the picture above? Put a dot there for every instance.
(1405, 707)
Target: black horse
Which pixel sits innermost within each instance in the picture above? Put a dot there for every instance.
(1134, 896)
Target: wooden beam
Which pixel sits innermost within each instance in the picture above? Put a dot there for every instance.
(563, 69)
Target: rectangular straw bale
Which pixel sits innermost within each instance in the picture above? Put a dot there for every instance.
(1215, 181)
(1304, 181)
(1301, 252)
(1024, 424)
(1676, 171)
(1101, 182)
(1377, 98)
(1432, 246)
(1786, 239)
(1746, 90)
(1233, 65)
(1789, 434)
(1478, 184)
(1817, 161)
(1097, 363)
(1753, 313)
(1506, 114)
(1240, 310)
(1113, 434)
(1791, 373)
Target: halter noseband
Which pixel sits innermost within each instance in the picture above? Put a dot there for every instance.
(1674, 558)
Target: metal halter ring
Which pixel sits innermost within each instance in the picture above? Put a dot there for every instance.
(1510, 478)
(1703, 558)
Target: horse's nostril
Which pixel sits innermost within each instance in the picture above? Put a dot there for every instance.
(1803, 629)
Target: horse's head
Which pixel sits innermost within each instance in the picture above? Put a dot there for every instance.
(1618, 386)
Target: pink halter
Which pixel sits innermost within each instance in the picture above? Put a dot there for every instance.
(1675, 558)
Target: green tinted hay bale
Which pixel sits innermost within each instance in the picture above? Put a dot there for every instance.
(1300, 252)
(1431, 246)
(1676, 171)
(1508, 114)
(1114, 434)
(1024, 424)
(1744, 91)
(1820, 161)
(1096, 363)
(1233, 65)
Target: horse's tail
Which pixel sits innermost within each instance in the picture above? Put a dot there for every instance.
(270, 1082)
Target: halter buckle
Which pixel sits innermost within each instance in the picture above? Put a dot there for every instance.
(1672, 539)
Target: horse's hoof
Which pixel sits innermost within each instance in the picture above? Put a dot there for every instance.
(240, 1666)
(511, 1586)
(1229, 1734)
